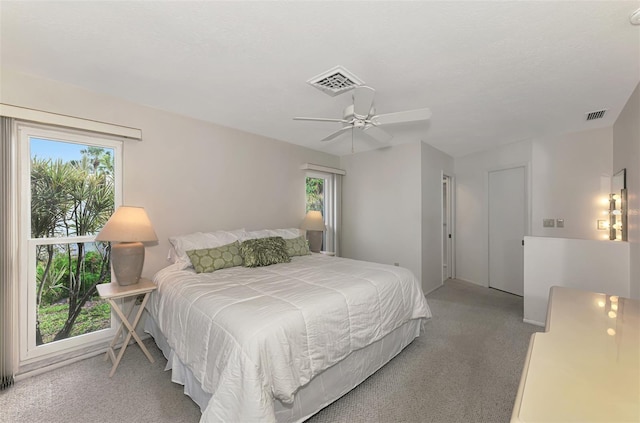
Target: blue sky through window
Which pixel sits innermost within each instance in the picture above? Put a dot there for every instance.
(48, 149)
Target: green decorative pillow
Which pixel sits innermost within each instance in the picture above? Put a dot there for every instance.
(297, 246)
(264, 251)
(210, 259)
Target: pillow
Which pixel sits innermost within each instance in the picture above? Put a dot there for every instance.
(198, 241)
(264, 251)
(289, 233)
(255, 235)
(265, 233)
(297, 246)
(208, 260)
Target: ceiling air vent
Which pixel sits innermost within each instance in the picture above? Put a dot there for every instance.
(335, 81)
(596, 115)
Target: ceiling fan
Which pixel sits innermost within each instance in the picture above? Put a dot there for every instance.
(362, 115)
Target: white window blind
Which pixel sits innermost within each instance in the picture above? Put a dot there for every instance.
(7, 258)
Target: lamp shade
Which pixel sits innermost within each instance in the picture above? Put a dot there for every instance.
(128, 224)
(313, 221)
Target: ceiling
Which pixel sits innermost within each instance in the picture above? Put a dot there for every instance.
(492, 72)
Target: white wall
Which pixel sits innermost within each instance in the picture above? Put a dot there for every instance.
(190, 175)
(599, 266)
(392, 208)
(568, 175)
(435, 163)
(626, 154)
(381, 203)
(571, 174)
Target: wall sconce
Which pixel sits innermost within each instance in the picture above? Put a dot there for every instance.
(618, 207)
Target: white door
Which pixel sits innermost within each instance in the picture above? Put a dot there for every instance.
(507, 223)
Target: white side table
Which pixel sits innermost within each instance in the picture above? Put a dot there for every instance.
(111, 292)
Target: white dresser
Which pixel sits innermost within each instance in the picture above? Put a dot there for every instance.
(586, 366)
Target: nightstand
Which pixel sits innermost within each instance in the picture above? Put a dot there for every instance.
(112, 292)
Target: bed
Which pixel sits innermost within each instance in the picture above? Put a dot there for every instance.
(280, 342)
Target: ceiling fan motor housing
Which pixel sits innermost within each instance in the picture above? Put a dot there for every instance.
(348, 113)
(366, 120)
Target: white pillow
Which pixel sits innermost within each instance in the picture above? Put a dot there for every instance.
(289, 233)
(198, 241)
(255, 234)
(264, 233)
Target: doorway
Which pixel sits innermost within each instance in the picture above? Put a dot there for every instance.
(447, 228)
(507, 226)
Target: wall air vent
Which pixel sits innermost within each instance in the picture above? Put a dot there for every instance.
(335, 81)
(596, 115)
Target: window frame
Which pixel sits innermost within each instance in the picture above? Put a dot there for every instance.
(28, 350)
(329, 205)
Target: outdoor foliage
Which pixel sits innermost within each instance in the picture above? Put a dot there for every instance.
(315, 194)
(69, 199)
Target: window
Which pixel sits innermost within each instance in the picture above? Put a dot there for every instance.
(322, 194)
(70, 185)
(315, 194)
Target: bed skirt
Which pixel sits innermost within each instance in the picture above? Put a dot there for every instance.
(321, 391)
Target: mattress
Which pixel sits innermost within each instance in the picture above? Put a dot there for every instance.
(255, 337)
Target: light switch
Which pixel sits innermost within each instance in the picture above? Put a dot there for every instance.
(560, 223)
(548, 223)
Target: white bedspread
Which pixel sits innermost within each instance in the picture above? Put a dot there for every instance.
(252, 335)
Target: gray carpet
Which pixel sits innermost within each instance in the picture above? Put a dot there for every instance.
(465, 368)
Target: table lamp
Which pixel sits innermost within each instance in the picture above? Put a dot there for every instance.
(129, 227)
(314, 225)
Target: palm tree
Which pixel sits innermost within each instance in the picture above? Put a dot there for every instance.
(92, 204)
(71, 199)
(50, 203)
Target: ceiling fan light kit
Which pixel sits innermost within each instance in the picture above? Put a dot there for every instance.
(362, 115)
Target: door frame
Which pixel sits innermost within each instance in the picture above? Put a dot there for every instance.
(527, 205)
(449, 218)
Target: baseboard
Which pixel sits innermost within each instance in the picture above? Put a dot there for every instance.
(433, 289)
(75, 359)
(533, 322)
(57, 365)
(473, 282)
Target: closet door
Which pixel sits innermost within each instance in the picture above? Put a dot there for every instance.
(507, 223)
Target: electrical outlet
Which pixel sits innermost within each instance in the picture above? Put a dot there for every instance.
(559, 223)
(139, 299)
(396, 264)
(548, 223)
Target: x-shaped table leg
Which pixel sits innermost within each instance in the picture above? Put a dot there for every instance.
(131, 327)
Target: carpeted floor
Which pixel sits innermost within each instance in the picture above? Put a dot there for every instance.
(465, 368)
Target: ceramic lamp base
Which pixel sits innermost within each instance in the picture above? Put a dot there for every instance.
(127, 259)
(315, 240)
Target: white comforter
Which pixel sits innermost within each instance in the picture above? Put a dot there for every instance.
(252, 335)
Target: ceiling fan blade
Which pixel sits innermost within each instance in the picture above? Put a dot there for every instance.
(362, 101)
(321, 119)
(401, 117)
(377, 133)
(337, 133)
